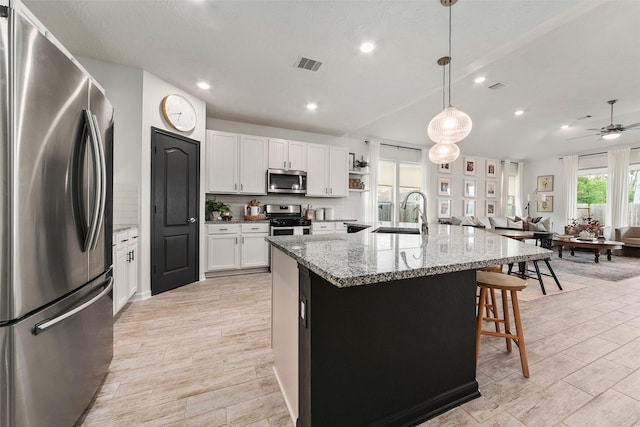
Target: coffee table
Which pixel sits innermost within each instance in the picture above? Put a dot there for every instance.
(594, 245)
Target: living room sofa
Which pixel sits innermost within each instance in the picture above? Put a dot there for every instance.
(541, 224)
(630, 236)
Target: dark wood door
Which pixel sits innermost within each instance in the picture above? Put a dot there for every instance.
(175, 188)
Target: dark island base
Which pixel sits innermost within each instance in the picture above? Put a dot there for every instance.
(390, 354)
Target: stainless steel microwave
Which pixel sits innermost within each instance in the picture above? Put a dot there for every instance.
(286, 181)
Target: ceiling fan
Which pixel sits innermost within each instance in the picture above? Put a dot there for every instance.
(611, 131)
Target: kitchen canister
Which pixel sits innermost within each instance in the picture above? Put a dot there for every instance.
(320, 214)
(328, 214)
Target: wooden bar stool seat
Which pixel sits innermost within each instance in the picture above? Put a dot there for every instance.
(489, 282)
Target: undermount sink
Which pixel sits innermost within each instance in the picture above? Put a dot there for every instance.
(397, 230)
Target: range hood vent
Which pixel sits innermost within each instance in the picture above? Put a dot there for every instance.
(308, 63)
(496, 86)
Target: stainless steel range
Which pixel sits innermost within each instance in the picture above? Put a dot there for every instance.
(286, 220)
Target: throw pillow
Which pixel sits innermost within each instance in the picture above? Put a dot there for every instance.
(455, 220)
(499, 221)
(484, 221)
(515, 224)
(537, 226)
(546, 221)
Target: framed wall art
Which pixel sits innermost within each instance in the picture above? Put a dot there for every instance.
(490, 208)
(491, 188)
(469, 166)
(444, 186)
(445, 168)
(469, 188)
(469, 207)
(444, 208)
(547, 205)
(491, 168)
(545, 183)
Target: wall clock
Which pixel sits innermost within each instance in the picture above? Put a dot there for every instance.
(179, 112)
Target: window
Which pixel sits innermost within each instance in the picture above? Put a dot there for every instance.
(511, 196)
(395, 180)
(634, 195)
(592, 194)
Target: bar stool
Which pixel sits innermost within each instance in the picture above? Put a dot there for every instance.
(488, 282)
(546, 241)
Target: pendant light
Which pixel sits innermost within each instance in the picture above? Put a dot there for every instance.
(450, 125)
(444, 153)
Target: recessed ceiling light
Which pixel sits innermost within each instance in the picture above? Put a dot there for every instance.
(519, 112)
(203, 85)
(564, 126)
(480, 79)
(367, 47)
(312, 106)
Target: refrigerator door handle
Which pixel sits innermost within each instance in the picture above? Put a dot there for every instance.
(97, 181)
(103, 182)
(46, 324)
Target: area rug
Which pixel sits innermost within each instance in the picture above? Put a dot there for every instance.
(582, 264)
(533, 292)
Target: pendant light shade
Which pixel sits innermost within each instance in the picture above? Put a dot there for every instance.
(444, 153)
(449, 126)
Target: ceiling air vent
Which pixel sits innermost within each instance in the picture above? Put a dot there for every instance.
(308, 64)
(496, 86)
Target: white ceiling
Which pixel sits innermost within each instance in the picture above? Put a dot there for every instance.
(560, 59)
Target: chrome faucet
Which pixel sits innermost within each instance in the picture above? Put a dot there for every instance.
(423, 215)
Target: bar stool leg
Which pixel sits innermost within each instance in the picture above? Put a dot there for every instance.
(553, 274)
(507, 325)
(535, 265)
(521, 344)
(481, 304)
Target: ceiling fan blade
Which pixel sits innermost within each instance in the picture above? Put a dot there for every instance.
(596, 130)
(583, 136)
(632, 126)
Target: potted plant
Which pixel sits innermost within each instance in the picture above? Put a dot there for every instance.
(214, 209)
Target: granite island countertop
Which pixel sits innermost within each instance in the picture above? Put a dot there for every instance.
(365, 257)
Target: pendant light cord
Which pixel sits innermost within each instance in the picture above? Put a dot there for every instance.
(450, 58)
(443, 85)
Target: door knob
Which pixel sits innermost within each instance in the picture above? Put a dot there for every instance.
(191, 220)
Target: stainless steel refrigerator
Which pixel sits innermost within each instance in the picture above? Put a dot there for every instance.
(56, 324)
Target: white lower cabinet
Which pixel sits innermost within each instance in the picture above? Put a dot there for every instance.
(328, 228)
(237, 246)
(125, 267)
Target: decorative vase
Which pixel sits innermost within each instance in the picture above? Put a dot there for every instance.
(214, 215)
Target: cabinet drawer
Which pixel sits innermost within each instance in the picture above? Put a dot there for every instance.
(133, 235)
(323, 226)
(223, 228)
(341, 227)
(120, 238)
(262, 227)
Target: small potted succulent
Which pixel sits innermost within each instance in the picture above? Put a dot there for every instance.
(215, 209)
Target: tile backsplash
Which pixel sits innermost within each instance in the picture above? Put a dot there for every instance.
(126, 204)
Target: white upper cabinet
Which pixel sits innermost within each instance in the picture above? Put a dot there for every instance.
(235, 164)
(288, 155)
(327, 171)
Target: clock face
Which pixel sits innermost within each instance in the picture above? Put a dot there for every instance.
(179, 113)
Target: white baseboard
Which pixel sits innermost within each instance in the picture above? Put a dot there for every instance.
(286, 401)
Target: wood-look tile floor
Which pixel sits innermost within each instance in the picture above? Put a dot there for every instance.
(200, 356)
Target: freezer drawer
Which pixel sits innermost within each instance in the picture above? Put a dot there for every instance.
(49, 376)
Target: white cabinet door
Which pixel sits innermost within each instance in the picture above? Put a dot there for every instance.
(338, 172)
(297, 156)
(317, 160)
(132, 268)
(278, 154)
(255, 250)
(341, 228)
(323, 228)
(222, 162)
(222, 252)
(120, 279)
(253, 165)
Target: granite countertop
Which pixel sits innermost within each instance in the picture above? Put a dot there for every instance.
(334, 220)
(235, 221)
(365, 257)
(123, 227)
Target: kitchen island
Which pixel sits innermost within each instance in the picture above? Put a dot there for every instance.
(379, 329)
